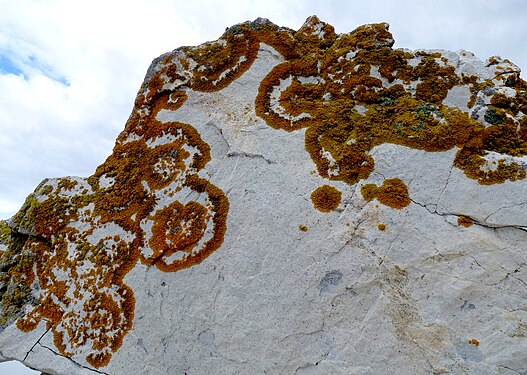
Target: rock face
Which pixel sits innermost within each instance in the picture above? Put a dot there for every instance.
(286, 202)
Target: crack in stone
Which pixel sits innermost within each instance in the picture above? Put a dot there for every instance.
(35, 344)
(504, 208)
(73, 361)
(515, 371)
(220, 132)
(444, 187)
(249, 155)
(476, 221)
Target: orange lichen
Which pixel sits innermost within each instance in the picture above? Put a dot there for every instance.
(465, 221)
(392, 193)
(369, 192)
(473, 342)
(326, 198)
(324, 89)
(381, 227)
(83, 297)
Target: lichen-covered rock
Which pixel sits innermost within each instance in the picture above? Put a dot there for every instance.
(286, 202)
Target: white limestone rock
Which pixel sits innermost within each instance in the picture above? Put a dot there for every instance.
(228, 266)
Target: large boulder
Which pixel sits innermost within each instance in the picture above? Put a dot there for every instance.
(286, 202)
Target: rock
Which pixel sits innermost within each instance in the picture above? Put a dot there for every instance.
(286, 202)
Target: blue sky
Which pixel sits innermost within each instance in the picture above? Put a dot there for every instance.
(69, 70)
(7, 66)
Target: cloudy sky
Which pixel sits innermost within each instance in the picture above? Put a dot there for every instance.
(69, 70)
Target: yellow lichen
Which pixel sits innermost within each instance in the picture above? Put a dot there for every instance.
(303, 228)
(339, 137)
(326, 198)
(392, 193)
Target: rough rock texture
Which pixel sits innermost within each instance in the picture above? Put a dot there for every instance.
(287, 202)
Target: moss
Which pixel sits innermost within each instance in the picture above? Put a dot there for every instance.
(326, 198)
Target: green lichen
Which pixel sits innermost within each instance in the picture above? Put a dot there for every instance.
(493, 117)
(4, 232)
(15, 291)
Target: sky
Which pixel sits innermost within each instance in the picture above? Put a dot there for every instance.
(70, 70)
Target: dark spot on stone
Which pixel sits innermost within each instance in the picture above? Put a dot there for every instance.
(492, 117)
(467, 306)
(489, 91)
(330, 280)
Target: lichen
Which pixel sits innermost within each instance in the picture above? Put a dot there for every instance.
(303, 228)
(465, 221)
(326, 198)
(401, 101)
(392, 193)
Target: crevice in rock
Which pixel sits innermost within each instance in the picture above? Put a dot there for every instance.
(311, 365)
(74, 362)
(511, 274)
(444, 187)
(220, 133)
(504, 208)
(35, 344)
(249, 155)
(476, 221)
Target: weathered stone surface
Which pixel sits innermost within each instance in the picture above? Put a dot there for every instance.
(288, 203)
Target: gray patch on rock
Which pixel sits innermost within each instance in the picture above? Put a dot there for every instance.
(467, 306)
(206, 337)
(330, 280)
(469, 352)
(489, 91)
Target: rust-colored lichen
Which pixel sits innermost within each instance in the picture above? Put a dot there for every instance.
(465, 221)
(381, 227)
(353, 92)
(369, 191)
(473, 342)
(392, 193)
(87, 234)
(326, 198)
